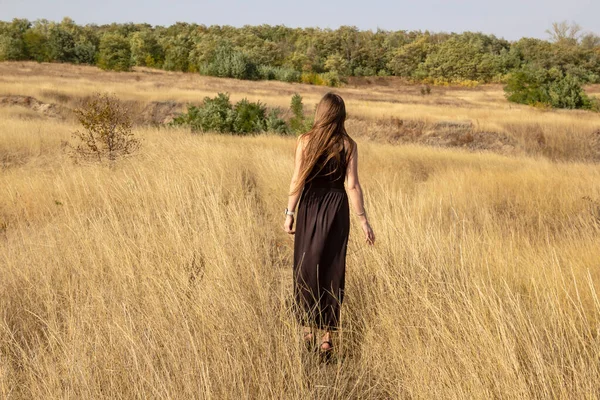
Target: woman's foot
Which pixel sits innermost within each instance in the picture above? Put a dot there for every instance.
(326, 345)
(325, 348)
(308, 337)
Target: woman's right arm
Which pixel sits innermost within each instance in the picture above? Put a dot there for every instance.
(356, 196)
(293, 198)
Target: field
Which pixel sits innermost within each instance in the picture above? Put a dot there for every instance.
(168, 274)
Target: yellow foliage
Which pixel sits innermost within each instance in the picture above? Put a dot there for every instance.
(441, 82)
(149, 61)
(312, 78)
(467, 83)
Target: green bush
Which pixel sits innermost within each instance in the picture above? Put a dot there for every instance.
(214, 115)
(249, 117)
(568, 93)
(312, 78)
(275, 123)
(538, 86)
(332, 78)
(268, 72)
(299, 123)
(219, 115)
(594, 104)
(287, 74)
(528, 86)
(364, 71)
(297, 108)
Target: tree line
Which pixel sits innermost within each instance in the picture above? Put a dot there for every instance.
(310, 55)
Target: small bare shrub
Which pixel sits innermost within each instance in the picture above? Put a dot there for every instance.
(106, 132)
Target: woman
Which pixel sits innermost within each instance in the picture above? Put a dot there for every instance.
(326, 156)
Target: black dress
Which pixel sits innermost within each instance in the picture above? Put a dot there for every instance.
(321, 239)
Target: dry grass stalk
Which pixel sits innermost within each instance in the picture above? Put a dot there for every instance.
(168, 276)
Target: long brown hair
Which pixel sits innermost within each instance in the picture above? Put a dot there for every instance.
(327, 137)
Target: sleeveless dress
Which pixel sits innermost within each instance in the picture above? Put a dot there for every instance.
(321, 239)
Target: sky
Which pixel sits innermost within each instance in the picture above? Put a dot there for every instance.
(509, 19)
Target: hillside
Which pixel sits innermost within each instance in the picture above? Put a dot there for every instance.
(382, 109)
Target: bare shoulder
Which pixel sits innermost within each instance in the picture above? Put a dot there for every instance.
(302, 140)
(350, 145)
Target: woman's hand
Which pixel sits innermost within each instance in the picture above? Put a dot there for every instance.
(288, 225)
(369, 235)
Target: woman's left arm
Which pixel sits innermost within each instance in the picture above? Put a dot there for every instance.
(293, 198)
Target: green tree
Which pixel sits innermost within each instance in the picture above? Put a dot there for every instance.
(320, 56)
(62, 40)
(61, 44)
(36, 42)
(114, 53)
(338, 64)
(12, 43)
(230, 63)
(145, 49)
(466, 56)
(84, 52)
(590, 41)
(407, 59)
(533, 51)
(349, 46)
(86, 45)
(177, 52)
(203, 50)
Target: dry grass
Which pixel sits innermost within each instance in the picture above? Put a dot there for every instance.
(558, 135)
(167, 275)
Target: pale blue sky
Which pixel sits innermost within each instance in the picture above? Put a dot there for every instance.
(510, 19)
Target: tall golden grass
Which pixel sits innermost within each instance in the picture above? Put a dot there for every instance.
(168, 274)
